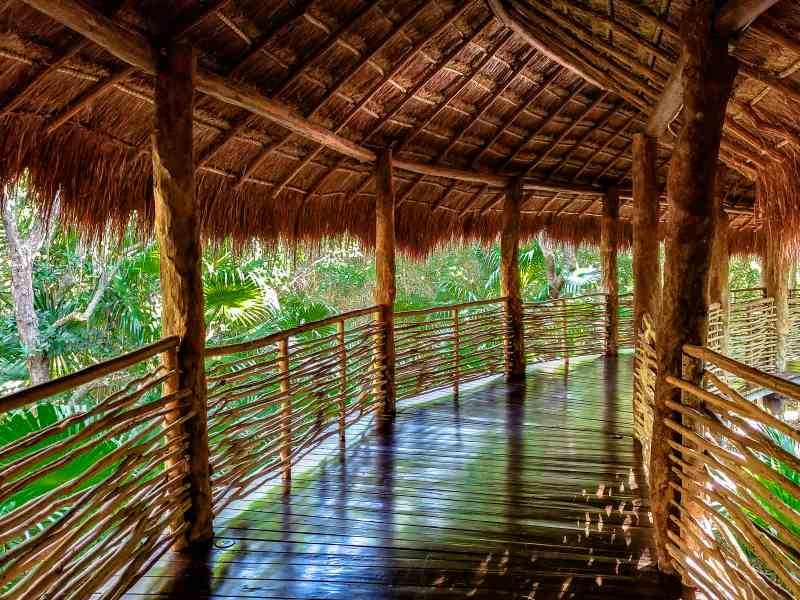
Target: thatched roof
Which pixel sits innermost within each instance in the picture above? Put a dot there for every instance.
(445, 81)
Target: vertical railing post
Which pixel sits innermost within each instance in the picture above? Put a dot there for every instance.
(286, 409)
(510, 282)
(564, 334)
(775, 271)
(177, 225)
(342, 381)
(456, 352)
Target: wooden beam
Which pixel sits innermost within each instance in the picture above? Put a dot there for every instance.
(385, 286)
(707, 86)
(609, 240)
(551, 50)
(646, 216)
(510, 283)
(178, 220)
(732, 17)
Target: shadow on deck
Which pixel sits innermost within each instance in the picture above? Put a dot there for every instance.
(524, 491)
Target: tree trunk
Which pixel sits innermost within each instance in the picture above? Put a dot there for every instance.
(608, 251)
(646, 265)
(707, 84)
(385, 288)
(22, 252)
(718, 271)
(177, 213)
(775, 269)
(510, 283)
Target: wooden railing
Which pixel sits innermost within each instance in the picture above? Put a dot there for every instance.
(736, 485)
(442, 347)
(95, 490)
(752, 332)
(645, 370)
(274, 399)
(565, 327)
(793, 330)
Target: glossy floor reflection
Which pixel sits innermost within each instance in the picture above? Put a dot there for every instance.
(531, 491)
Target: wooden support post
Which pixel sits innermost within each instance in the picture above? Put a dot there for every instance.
(608, 251)
(286, 409)
(177, 217)
(775, 271)
(646, 198)
(385, 287)
(456, 352)
(510, 282)
(342, 381)
(718, 271)
(707, 85)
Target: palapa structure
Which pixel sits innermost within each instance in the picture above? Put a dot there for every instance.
(410, 124)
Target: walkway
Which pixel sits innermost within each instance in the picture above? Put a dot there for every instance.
(527, 491)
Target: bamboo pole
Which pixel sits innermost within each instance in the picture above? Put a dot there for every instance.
(646, 199)
(177, 216)
(510, 282)
(707, 86)
(385, 286)
(565, 333)
(342, 382)
(608, 251)
(286, 409)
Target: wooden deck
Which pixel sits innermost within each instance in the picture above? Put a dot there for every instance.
(530, 491)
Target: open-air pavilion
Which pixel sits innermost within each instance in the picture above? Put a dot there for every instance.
(297, 465)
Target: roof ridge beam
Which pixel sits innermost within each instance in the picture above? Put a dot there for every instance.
(551, 49)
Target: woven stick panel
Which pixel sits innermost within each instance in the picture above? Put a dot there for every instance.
(736, 479)
(565, 327)
(627, 336)
(92, 481)
(443, 347)
(793, 331)
(645, 369)
(752, 335)
(275, 401)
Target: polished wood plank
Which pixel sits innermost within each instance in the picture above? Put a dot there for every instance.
(531, 490)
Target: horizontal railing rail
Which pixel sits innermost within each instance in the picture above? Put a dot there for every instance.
(92, 483)
(736, 469)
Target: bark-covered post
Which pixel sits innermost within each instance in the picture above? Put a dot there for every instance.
(775, 269)
(177, 216)
(646, 266)
(385, 287)
(510, 282)
(718, 271)
(608, 251)
(707, 84)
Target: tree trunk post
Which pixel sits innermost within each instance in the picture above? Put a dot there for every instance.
(456, 352)
(707, 85)
(775, 269)
(385, 288)
(177, 216)
(510, 282)
(646, 266)
(718, 271)
(341, 340)
(608, 252)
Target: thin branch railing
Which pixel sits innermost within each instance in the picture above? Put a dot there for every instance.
(95, 490)
(736, 484)
(273, 400)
